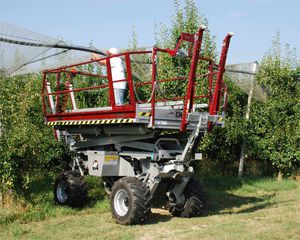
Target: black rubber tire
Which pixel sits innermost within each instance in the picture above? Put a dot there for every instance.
(75, 189)
(138, 201)
(193, 206)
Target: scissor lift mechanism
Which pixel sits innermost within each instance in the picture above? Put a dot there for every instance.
(126, 145)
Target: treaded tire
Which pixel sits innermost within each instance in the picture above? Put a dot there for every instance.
(130, 201)
(70, 189)
(193, 206)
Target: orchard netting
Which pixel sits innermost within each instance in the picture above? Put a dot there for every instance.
(243, 75)
(23, 51)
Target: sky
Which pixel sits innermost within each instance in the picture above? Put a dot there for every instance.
(109, 23)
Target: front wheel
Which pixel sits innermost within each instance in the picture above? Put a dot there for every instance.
(193, 206)
(130, 201)
(70, 189)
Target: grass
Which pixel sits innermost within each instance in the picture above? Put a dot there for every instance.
(236, 209)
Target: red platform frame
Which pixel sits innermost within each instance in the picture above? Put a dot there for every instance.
(216, 87)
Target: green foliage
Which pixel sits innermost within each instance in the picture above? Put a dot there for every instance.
(274, 128)
(186, 19)
(26, 144)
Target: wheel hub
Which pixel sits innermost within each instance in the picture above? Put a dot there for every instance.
(121, 202)
(61, 192)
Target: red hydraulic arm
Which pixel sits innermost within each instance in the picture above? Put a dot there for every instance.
(214, 105)
(188, 103)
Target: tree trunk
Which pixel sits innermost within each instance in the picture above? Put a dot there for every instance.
(243, 147)
(1, 198)
(279, 175)
(242, 160)
(6, 198)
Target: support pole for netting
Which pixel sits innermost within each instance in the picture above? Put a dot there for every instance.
(243, 148)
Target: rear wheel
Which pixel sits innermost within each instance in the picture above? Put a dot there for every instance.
(130, 201)
(70, 189)
(193, 206)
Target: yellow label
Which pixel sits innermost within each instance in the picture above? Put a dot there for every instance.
(111, 158)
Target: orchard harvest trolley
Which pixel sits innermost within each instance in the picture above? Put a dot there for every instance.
(137, 147)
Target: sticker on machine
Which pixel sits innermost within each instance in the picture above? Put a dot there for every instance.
(111, 159)
(95, 165)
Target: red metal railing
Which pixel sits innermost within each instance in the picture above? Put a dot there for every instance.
(63, 76)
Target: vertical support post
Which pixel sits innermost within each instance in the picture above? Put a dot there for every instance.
(72, 96)
(243, 148)
(188, 102)
(225, 100)
(153, 85)
(50, 97)
(53, 109)
(57, 89)
(43, 93)
(129, 80)
(110, 83)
